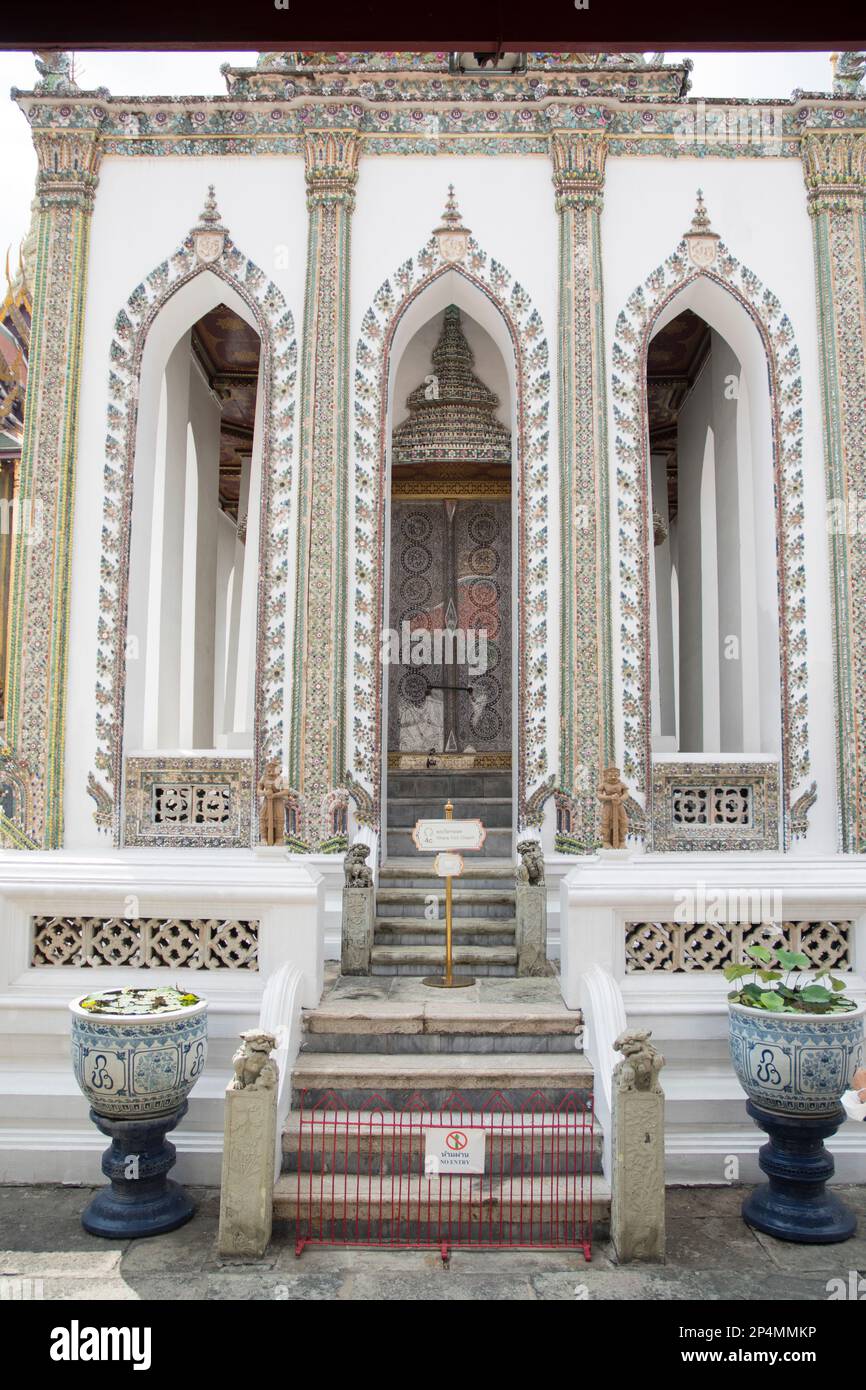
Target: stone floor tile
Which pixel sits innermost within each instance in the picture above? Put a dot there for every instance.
(699, 1203)
(443, 1286)
(714, 1243)
(834, 1259)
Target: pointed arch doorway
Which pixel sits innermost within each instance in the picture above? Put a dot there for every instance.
(450, 601)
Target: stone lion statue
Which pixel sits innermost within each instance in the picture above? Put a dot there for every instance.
(640, 1065)
(531, 867)
(252, 1062)
(357, 871)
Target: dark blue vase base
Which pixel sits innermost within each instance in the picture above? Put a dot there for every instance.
(140, 1199)
(120, 1218)
(795, 1204)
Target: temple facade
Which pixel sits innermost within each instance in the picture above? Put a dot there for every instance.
(399, 430)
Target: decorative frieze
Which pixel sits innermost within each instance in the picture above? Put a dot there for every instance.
(715, 806)
(702, 252)
(188, 801)
(835, 174)
(176, 943)
(678, 947)
(66, 182)
(317, 738)
(586, 715)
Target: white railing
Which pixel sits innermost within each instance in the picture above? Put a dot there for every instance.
(604, 1020)
(281, 1015)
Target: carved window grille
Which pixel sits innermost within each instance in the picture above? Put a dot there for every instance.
(685, 947)
(188, 804)
(147, 942)
(711, 805)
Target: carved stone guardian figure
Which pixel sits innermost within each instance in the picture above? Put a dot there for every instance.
(359, 911)
(530, 901)
(272, 811)
(638, 1187)
(252, 1062)
(612, 794)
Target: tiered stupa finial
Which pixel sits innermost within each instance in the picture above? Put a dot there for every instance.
(452, 236)
(701, 240)
(452, 414)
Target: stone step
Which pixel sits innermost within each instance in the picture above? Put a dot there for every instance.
(460, 897)
(438, 1044)
(418, 866)
(442, 1016)
(430, 960)
(430, 784)
(468, 931)
(516, 1211)
(353, 1141)
(490, 810)
(497, 843)
(473, 1077)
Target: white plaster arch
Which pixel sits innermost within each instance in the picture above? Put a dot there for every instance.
(421, 288)
(751, 318)
(183, 288)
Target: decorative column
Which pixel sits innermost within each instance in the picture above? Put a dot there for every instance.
(39, 613)
(586, 718)
(835, 173)
(318, 736)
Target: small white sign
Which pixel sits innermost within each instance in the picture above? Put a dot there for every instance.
(454, 1150)
(448, 834)
(448, 865)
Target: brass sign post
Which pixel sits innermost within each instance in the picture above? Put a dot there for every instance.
(448, 980)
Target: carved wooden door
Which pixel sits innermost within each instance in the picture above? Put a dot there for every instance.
(450, 616)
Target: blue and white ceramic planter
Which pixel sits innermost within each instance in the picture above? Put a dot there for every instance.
(796, 1064)
(133, 1066)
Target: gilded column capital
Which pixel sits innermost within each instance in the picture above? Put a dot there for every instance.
(331, 158)
(68, 170)
(834, 168)
(578, 168)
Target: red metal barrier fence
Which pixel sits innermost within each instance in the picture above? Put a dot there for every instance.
(382, 1177)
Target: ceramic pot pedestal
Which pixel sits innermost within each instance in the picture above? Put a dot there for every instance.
(795, 1204)
(141, 1200)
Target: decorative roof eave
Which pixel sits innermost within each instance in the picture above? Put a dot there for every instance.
(414, 119)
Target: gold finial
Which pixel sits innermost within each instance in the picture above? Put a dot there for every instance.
(701, 240)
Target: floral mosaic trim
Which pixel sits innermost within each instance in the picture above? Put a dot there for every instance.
(715, 806)
(835, 174)
(279, 370)
(530, 470)
(633, 329)
(40, 590)
(188, 801)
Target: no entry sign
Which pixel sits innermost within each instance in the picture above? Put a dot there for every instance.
(454, 1150)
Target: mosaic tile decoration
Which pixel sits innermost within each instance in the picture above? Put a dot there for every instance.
(714, 806)
(530, 475)
(146, 943)
(681, 947)
(188, 801)
(68, 171)
(834, 168)
(279, 369)
(634, 326)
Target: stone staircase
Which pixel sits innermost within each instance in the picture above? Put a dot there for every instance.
(414, 796)
(391, 1045)
(407, 941)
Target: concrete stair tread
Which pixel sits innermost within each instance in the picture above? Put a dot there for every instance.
(422, 867)
(407, 1197)
(375, 1071)
(459, 895)
(486, 925)
(435, 955)
(386, 1124)
(16, 1080)
(387, 1016)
